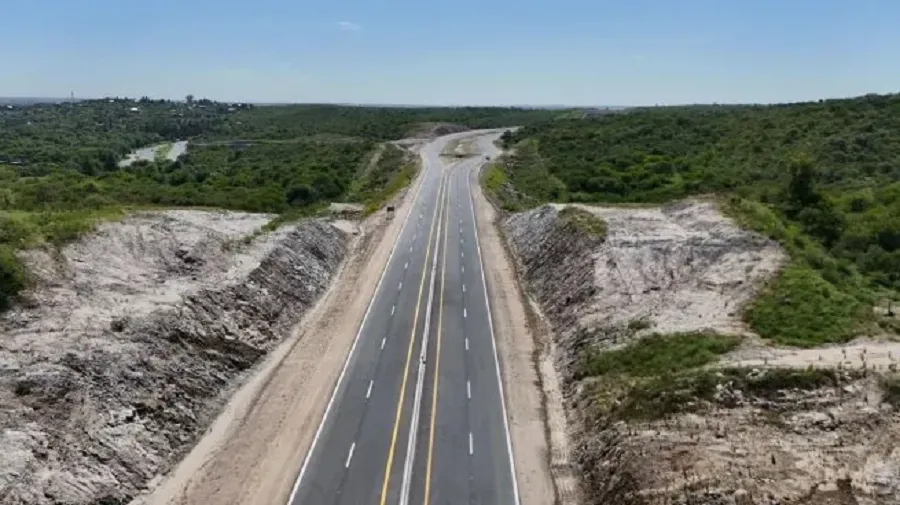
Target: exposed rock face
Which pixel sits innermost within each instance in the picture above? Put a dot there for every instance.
(128, 354)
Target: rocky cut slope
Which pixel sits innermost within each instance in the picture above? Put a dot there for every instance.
(132, 339)
(641, 313)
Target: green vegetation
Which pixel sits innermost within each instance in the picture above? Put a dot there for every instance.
(692, 390)
(59, 168)
(821, 178)
(376, 186)
(583, 221)
(659, 354)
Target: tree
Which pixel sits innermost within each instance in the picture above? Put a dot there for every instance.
(801, 188)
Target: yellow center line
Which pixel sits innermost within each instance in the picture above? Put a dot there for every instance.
(437, 360)
(409, 352)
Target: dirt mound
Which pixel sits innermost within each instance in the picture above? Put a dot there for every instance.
(679, 268)
(751, 430)
(132, 340)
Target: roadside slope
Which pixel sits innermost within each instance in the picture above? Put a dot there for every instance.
(266, 429)
(133, 339)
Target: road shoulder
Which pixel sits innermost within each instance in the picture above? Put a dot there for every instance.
(519, 358)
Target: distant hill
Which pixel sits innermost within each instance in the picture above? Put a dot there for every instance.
(30, 100)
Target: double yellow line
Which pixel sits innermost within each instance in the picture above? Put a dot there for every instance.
(439, 209)
(437, 361)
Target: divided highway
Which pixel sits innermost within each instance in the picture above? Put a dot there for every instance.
(418, 414)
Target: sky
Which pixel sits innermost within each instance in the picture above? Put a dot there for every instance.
(464, 52)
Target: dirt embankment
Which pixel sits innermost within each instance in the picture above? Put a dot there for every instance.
(726, 434)
(133, 339)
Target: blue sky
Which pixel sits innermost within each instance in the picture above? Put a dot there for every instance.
(574, 52)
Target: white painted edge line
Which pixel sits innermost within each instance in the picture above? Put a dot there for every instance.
(420, 377)
(369, 391)
(362, 325)
(487, 302)
(350, 455)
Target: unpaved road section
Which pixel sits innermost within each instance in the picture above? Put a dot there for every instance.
(132, 340)
(175, 150)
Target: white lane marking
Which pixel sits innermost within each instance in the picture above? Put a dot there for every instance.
(467, 343)
(468, 389)
(393, 309)
(464, 312)
(471, 445)
(410, 248)
(383, 341)
(464, 288)
(462, 254)
(353, 448)
(420, 377)
(369, 391)
(487, 303)
(340, 380)
(463, 269)
(399, 285)
(406, 265)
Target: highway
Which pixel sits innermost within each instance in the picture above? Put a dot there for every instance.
(418, 415)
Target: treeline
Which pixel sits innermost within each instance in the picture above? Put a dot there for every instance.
(822, 177)
(91, 136)
(60, 171)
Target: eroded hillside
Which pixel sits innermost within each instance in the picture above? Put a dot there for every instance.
(664, 401)
(132, 338)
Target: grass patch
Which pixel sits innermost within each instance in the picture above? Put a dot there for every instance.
(816, 299)
(803, 309)
(162, 152)
(584, 221)
(21, 229)
(693, 390)
(659, 354)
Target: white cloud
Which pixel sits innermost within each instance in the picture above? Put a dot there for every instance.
(348, 26)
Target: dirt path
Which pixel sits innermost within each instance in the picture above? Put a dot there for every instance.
(253, 451)
(518, 354)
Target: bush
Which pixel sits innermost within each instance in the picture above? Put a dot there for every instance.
(659, 354)
(12, 276)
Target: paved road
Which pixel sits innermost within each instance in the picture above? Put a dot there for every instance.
(445, 403)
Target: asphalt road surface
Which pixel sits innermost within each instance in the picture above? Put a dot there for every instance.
(417, 415)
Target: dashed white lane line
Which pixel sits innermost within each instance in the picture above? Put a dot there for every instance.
(464, 288)
(464, 312)
(399, 285)
(468, 389)
(369, 391)
(462, 254)
(406, 265)
(353, 448)
(467, 343)
(410, 248)
(471, 445)
(463, 269)
(393, 309)
(383, 341)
